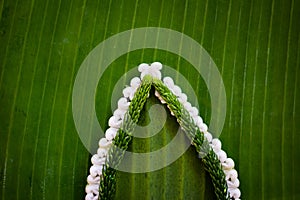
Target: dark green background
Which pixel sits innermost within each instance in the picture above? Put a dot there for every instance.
(255, 45)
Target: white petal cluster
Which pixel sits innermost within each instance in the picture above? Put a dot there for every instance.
(98, 159)
(227, 163)
(152, 70)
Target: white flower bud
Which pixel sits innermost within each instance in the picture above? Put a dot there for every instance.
(102, 152)
(143, 67)
(228, 164)
(123, 104)
(128, 92)
(216, 144)
(93, 180)
(135, 82)
(234, 192)
(104, 143)
(96, 170)
(222, 156)
(187, 106)
(168, 81)
(208, 136)
(233, 184)
(119, 114)
(114, 122)
(231, 174)
(194, 111)
(156, 65)
(110, 133)
(198, 120)
(96, 160)
(182, 98)
(203, 128)
(176, 90)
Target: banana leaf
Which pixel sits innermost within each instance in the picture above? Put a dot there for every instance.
(255, 45)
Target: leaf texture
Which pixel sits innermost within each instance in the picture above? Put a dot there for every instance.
(255, 44)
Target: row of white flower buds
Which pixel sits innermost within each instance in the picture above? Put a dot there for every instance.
(98, 159)
(227, 163)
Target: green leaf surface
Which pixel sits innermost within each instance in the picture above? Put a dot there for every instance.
(255, 44)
